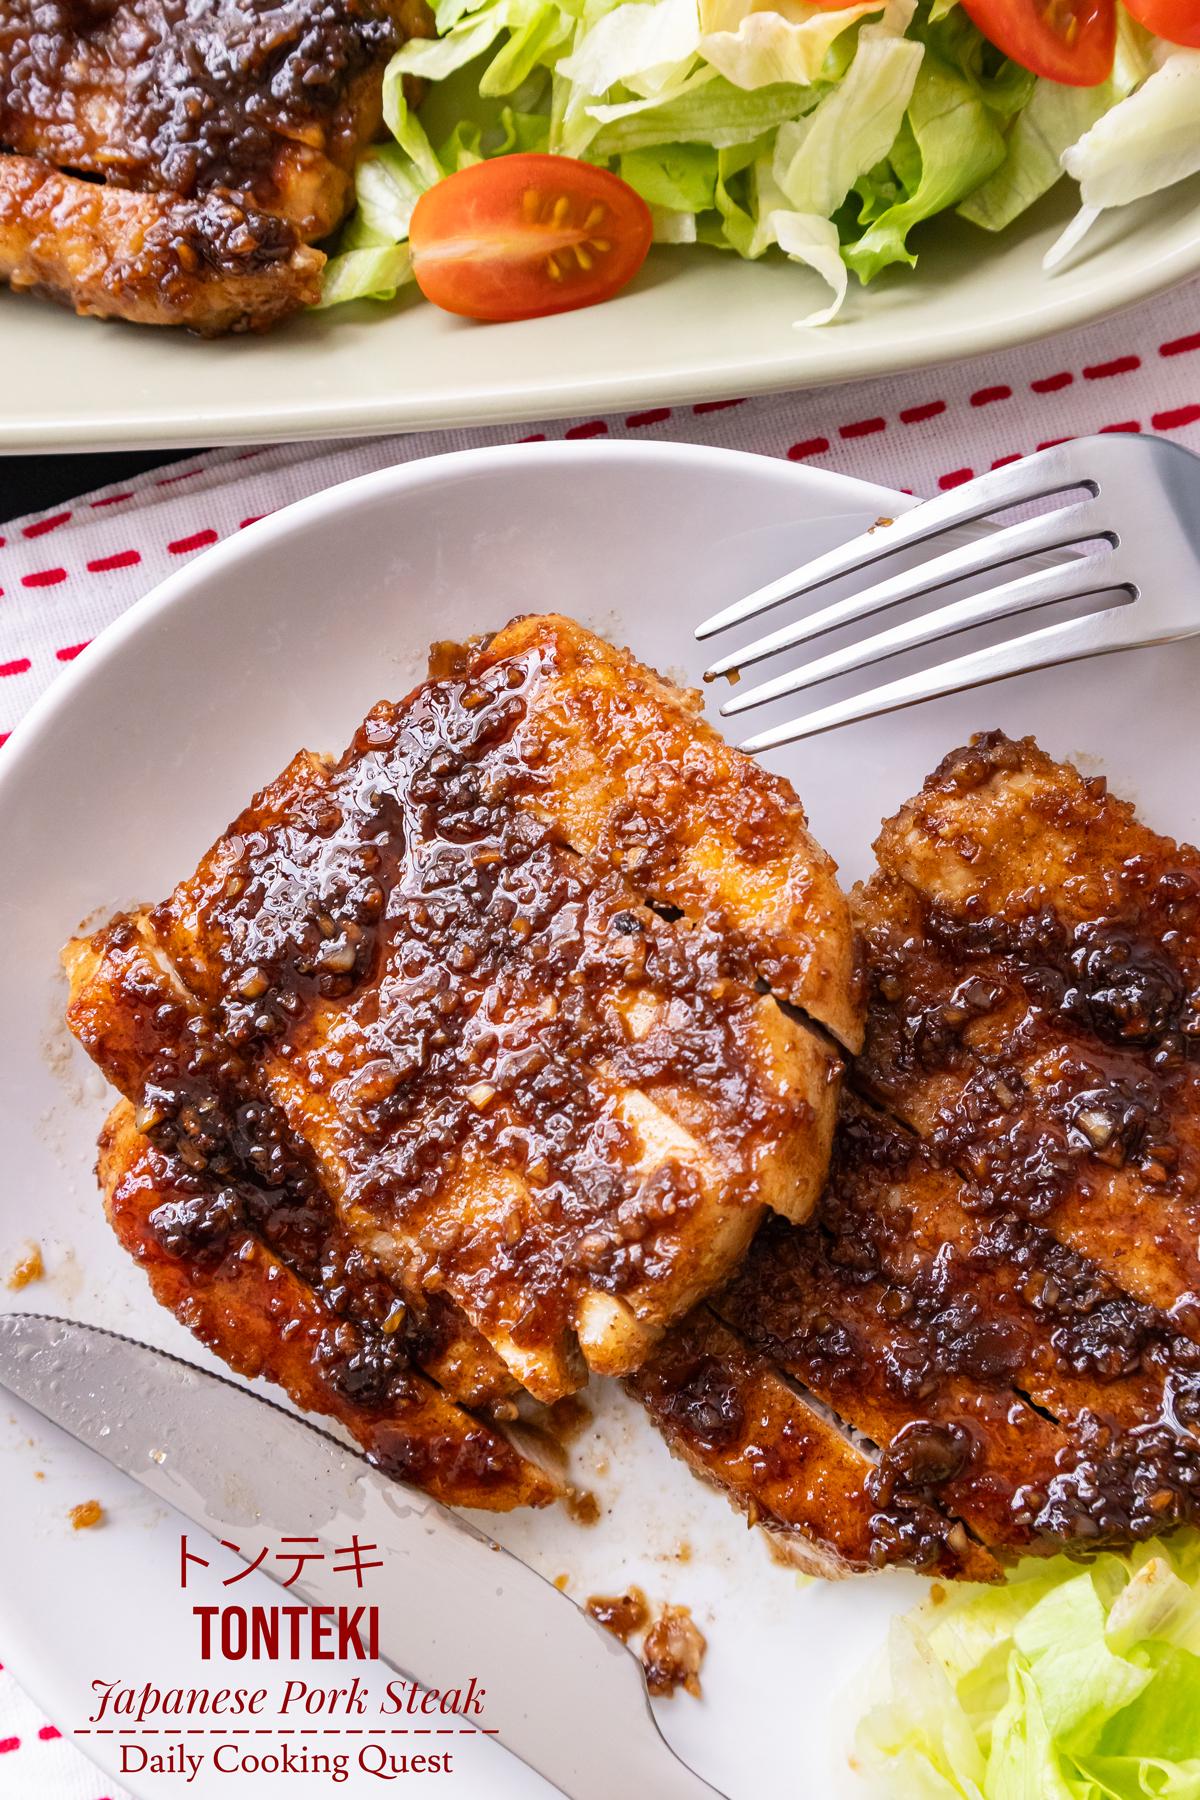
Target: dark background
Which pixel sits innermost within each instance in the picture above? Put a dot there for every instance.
(32, 483)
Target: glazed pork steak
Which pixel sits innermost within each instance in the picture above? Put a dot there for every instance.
(471, 1038)
(987, 1340)
(173, 162)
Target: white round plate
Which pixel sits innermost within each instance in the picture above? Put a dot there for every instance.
(131, 765)
(695, 325)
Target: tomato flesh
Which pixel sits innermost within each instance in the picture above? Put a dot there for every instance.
(1176, 20)
(1069, 41)
(527, 235)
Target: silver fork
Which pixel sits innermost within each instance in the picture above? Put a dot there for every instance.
(1140, 506)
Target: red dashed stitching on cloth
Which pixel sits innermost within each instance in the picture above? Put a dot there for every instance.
(538, 437)
(44, 578)
(655, 416)
(862, 428)
(1052, 384)
(1123, 425)
(916, 415)
(1050, 443)
(40, 527)
(70, 651)
(1002, 462)
(1175, 419)
(113, 499)
(955, 478)
(170, 480)
(4, 737)
(808, 447)
(18, 667)
(989, 395)
(197, 541)
(7, 1744)
(593, 428)
(121, 559)
(1120, 365)
(252, 520)
(48, 1732)
(1180, 346)
(706, 406)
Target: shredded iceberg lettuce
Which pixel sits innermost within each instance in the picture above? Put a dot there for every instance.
(828, 133)
(1068, 1683)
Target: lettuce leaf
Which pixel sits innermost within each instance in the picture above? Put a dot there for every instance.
(1055, 118)
(680, 177)
(959, 145)
(755, 48)
(1147, 142)
(823, 131)
(819, 158)
(372, 274)
(1063, 1684)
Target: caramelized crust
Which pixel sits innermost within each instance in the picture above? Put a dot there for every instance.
(997, 1288)
(540, 1113)
(219, 1254)
(269, 100)
(732, 1417)
(218, 137)
(621, 763)
(1035, 956)
(213, 264)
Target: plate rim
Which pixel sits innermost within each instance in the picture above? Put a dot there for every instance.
(512, 403)
(30, 736)
(173, 589)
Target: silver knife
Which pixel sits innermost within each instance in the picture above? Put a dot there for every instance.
(562, 1694)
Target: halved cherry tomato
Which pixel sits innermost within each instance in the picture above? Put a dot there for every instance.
(1176, 20)
(527, 235)
(1072, 41)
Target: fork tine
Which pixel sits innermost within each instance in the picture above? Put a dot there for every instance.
(1034, 478)
(1057, 530)
(1068, 641)
(1066, 581)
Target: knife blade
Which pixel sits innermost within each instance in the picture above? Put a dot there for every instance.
(563, 1695)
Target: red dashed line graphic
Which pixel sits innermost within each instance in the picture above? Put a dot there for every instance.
(917, 415)
(197, 541)
(808, 447)
(40, 527)
(121, 559)
(861, 428)
(1176, 419)
(1120, 365)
